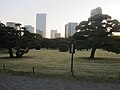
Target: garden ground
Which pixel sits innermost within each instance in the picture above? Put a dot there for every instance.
(104, 68)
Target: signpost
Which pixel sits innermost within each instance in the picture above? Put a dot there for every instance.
(72, 51)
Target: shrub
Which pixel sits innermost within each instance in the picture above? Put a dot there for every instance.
(37, 47)
(63, 48)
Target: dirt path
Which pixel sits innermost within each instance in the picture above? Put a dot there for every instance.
(8, 82)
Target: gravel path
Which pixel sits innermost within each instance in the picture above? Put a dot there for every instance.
(8, 82)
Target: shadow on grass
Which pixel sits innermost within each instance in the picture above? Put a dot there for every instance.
(97, 58)
(87, 58)
(6, 57)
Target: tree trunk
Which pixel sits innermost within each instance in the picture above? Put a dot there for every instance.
(10, 52)
(19, 54)
(92, 53)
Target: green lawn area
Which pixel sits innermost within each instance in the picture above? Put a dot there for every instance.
(104, 68)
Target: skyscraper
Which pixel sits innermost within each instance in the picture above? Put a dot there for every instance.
(57, 35)
(41, 24)
(96, 11)
(70, 29)
(53, 33)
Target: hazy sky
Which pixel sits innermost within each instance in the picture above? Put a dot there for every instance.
(59, 12)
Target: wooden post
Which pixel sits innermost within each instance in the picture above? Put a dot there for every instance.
(72, 51)
(33, 70)
(72, 68)
(119, 77)
(71, 62)
(3, 66)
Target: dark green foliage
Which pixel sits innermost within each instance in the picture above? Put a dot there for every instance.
(96, 33)
(54, 43)
(20, 40)
(113, 46)
(37, 47)
(37, 41)
(63, 48)
(82, 45)
(44, 43)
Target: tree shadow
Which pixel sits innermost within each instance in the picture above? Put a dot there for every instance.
(24, 57)
(98, 58)
(87, 58)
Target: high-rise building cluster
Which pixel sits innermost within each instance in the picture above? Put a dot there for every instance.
(41, 26)
(13, 24)
(70, 27)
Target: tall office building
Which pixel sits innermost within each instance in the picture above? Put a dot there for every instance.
(12, 24)
(70, 29)
(96, 11)
(29, 28)
(53, 33)
(41, 24)
(57, 35)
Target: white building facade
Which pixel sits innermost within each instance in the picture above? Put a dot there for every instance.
(57, 35)
(53, 33)
(12, 24)
(70, 29)
(41, 24)
(29, 28)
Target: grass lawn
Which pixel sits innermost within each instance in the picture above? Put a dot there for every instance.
(105, 67)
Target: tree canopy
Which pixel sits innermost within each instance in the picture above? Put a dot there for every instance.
(97, 33)
(18, 40)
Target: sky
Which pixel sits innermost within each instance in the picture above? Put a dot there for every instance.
(59, 12)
